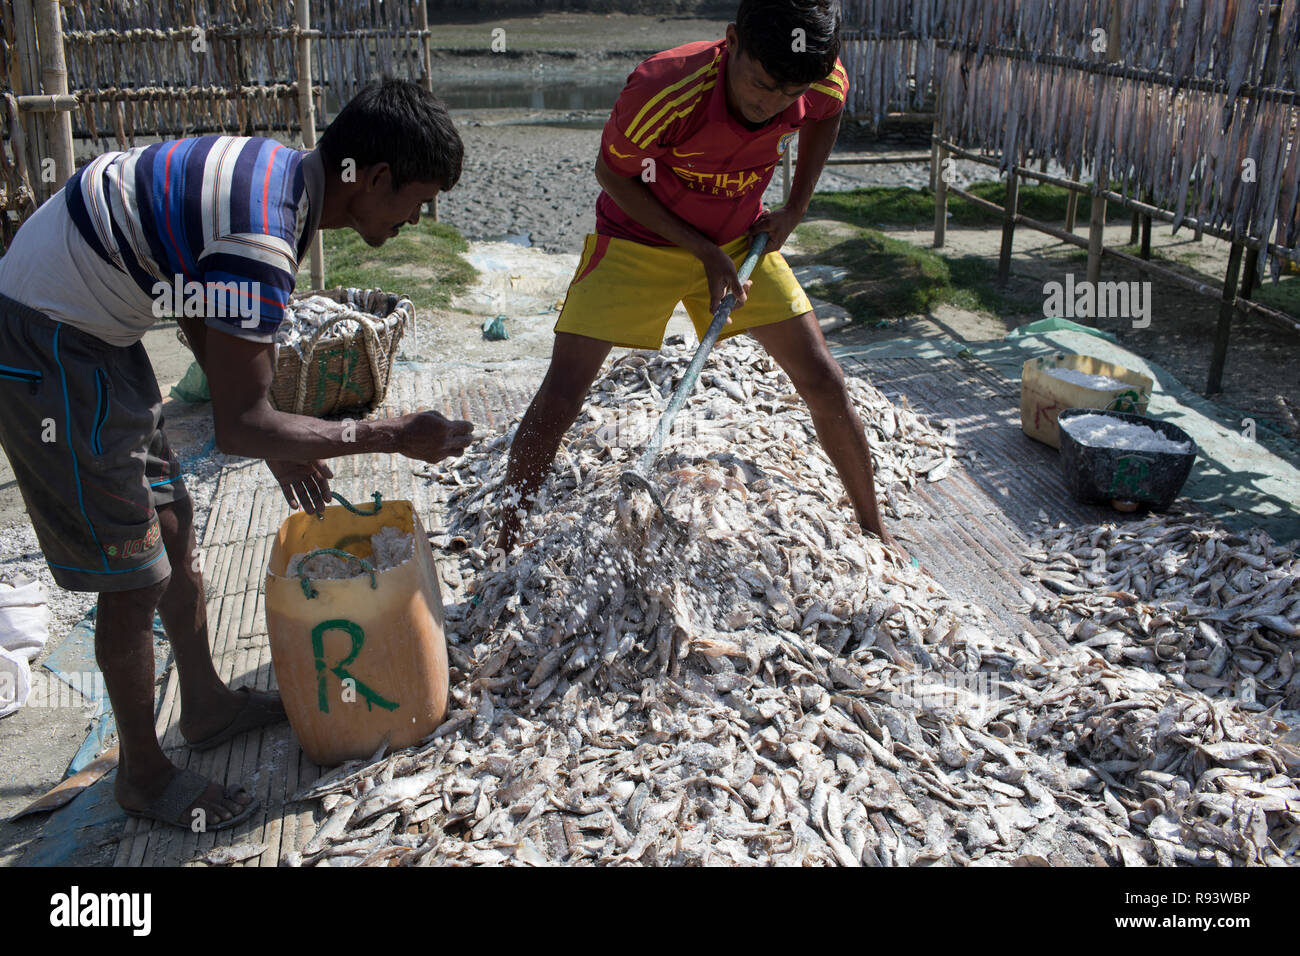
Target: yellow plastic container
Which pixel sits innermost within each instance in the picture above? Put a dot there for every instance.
(1043, 396)
(363, 658)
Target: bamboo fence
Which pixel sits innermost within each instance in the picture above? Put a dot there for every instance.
(1179, 110)
(142, 71)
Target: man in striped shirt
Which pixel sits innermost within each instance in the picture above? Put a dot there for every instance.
(688, 150)
(210, 230)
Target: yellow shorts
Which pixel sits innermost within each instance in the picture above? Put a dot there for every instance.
(624, 292)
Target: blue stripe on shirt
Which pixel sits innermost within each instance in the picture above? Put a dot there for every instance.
(171, 202)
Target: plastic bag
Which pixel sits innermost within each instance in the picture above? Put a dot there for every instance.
(24, 617)
(193, 387)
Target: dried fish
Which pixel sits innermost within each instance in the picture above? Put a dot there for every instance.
(781, 693)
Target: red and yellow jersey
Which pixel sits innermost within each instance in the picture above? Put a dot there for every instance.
(708, 168)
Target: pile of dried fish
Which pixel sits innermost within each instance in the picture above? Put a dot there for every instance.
(304, 317)
(777, 689)
(1202, 606)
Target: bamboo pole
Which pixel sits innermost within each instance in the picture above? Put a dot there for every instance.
(934, 156)
(787, 172)
(1215, 381)
(27, 68)
(1252, 273)
(1008, 227)
(1096, 241)
(47, 104)
(426, 43)
(879, 160)
(940, 195)
(307, 120)
(1146, 230)
(1072, 203)
(974, 200)
(54, 80)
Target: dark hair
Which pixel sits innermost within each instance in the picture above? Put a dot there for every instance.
(399, 123)
(765, 29)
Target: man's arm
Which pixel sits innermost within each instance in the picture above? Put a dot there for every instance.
(635, 199)
(239, 375)
(816, 140)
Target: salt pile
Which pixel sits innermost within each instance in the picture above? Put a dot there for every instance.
(1103, 431)
(777, 689)
(1102, 383)
(390, 548)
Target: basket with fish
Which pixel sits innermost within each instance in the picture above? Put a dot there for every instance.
(335, 350)
(1127, 460)
(1051, 383)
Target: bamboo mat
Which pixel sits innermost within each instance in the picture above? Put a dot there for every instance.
(246, 511)
(977, 522)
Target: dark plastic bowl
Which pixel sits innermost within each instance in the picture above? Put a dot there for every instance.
(1101, 475)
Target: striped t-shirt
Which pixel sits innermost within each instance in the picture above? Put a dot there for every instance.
(211, 227)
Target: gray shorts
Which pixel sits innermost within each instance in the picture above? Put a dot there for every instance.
(81, 422)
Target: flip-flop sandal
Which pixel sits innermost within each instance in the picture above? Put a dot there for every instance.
(182, 790)
(259, 710)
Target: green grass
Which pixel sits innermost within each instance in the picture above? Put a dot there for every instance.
(423, 262)
(1284, 296)
(891, 279)
(878, 207)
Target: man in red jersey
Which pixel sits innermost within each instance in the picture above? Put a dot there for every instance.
(687, 152)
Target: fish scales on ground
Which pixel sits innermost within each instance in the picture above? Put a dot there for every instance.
(778, 690)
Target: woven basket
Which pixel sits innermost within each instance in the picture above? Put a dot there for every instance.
(343, 370)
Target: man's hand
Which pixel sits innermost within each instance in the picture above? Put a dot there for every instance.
(305, 483)
(428, 436)
(778, 225)
(723, 278)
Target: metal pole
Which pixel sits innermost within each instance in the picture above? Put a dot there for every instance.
(1227, 307)
(307, 120)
